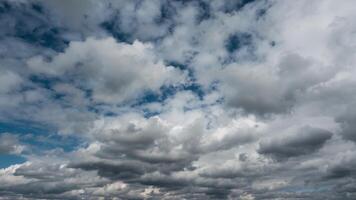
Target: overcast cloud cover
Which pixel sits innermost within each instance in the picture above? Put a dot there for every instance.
(178, 99)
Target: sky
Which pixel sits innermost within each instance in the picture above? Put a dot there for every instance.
(178, 99)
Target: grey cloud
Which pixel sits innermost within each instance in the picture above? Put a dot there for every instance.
(9, 144)
(237, 138)
(340, 172)
(145, 146)
(304, 141)
(160, 180)
(44, 180)
(230, 173)
(341, 168)
(128, 170)
(10, 81)
(276, 90)
(347, 122)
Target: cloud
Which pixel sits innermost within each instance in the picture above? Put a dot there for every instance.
(272, 89)
(80, 16)
(346, 120)
(9, 81)
(115, 72)
(306, 140)
(178, 99)
(9, 144)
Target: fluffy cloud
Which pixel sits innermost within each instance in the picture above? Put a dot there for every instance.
(178, 99)
(114, 72)
(9, 144)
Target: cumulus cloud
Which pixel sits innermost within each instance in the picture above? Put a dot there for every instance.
(272, 89)
(178, 99)
(114, 72)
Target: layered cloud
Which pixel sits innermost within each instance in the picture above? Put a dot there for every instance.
(177, 99)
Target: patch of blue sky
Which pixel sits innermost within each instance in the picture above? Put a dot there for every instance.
(164, 94)
(167, 14)
(43, 82)
(167, 92)
(37, 7)
(48, 37)
(29, 23)
(50, 82)
(7, 160)
(113, 28)
(238, 5)
(40, 137)
(183, 67)
(237, 41)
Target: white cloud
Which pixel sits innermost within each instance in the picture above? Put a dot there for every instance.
(115, 72)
